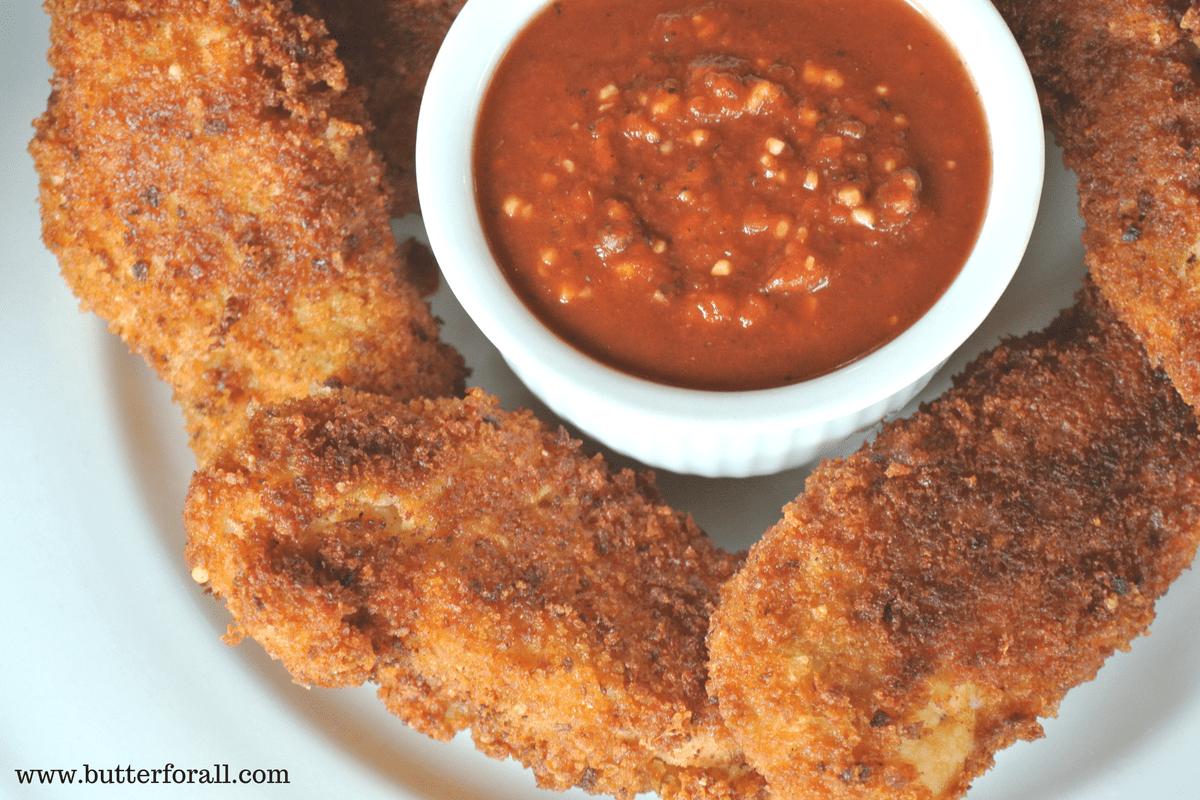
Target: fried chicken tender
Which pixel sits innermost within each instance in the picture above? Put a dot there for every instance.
(928, 598)
(1119, 90)
(208, 188)
(484, 574)
(388, 47)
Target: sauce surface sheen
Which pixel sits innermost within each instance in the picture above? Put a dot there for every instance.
(731, 195)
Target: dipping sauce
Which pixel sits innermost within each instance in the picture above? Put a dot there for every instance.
(731, 195)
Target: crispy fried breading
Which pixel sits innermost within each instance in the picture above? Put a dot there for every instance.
(388, 47)
(927, 599)
(485, 574)
(208, 187)
(1118, 84)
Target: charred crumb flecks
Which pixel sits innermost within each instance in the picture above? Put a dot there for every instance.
(473, 564)
(927, 599)
(1119, 90)
(208, 188)
(485, 574)
(388, 47)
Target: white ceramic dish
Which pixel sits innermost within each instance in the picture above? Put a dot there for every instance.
(112, 654)
(722, 433)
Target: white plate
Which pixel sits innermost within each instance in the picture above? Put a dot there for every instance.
(110, 655)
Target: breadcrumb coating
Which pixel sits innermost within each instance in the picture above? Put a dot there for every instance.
(1119, 90)
(208, 188)
(485, 574)
(928, 598)
(388, 47)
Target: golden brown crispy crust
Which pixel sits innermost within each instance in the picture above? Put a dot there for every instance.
(208, 187)
(1119, 89)
(484, 573)
(928, 598)
(388, 47)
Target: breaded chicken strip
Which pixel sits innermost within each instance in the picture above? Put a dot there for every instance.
(484, 574)
(928, 598)
(208, 188)
(388, 47)
(1119, 89)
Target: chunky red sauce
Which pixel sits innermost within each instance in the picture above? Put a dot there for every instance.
(737, 194)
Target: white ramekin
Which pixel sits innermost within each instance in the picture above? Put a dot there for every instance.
(722, 433)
